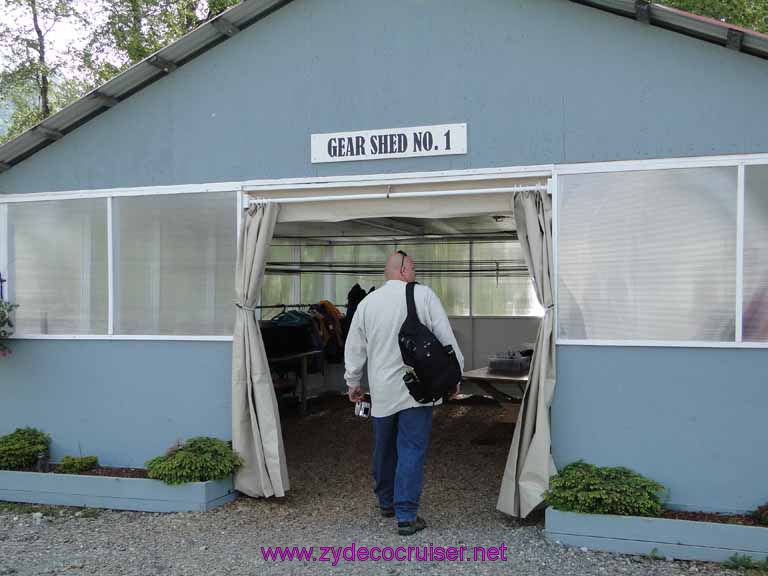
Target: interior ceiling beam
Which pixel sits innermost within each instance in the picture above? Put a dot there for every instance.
(391, 225)
(442, 227)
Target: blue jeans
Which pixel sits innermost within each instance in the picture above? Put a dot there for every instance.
(399, 451)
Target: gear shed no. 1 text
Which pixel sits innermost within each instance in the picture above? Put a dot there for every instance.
(437, 140)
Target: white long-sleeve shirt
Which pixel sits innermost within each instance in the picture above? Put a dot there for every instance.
(373, 337)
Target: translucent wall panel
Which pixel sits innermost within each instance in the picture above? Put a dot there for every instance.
(277, 288)
(58, 266)
(648, 255)
(430, 260)
(511, 292)
(314, 285)
(755, 319)
(175, 264)
(370, 258)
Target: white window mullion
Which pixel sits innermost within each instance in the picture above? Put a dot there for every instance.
(740, 255)
(110, 271)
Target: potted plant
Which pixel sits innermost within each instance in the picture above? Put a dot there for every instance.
(194, 476)
(6, 324)
(619, 510)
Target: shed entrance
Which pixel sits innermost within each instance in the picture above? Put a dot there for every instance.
(316, 247)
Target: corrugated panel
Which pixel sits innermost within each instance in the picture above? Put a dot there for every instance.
(191, 43)
(756, 44)
(131, 78)
(135, 78)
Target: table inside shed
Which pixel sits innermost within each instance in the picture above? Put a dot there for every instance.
(500, 428)
(490, 382)
(301, 373)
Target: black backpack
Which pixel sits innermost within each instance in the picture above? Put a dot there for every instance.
(437, 370)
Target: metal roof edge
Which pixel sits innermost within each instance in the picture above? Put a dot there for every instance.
(730, 36)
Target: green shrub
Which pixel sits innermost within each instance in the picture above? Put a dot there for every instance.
(743, 561)
(197, 460)
(70, 465)
(20, 449)
(761, 515)
(6, 325)
(582, 487)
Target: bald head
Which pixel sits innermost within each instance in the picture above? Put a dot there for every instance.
(400, 267)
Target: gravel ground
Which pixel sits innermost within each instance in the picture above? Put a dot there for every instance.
(330, 504)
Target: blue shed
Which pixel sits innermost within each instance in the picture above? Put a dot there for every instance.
(647, 127)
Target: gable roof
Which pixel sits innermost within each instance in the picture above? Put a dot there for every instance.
(235, 19)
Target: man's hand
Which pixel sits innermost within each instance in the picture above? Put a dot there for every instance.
(355, 393)
(456, 392)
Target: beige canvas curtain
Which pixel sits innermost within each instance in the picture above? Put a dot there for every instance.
(529, 464)
(256, 432)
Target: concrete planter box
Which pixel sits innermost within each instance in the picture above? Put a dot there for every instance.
(680, 539)
(139, 494)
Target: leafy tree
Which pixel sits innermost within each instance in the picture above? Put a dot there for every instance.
(28, 68)
(134, 29)
(21, 100)
(36, 81)
(748, 13)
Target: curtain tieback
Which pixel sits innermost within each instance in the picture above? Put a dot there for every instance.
(244, 307)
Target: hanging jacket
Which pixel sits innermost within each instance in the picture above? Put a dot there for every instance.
(354, 297)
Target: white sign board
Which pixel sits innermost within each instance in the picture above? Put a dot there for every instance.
(438, 140)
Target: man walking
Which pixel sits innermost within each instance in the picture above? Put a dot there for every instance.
(401, 424)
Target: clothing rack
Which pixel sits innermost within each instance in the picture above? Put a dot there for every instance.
(285, 306)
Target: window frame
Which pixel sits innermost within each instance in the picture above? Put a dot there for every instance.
(85, 286)
(112, 245)
(740, 162)
(266, 186)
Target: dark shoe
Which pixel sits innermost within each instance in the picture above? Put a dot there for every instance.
(410, 528)
(387, 512)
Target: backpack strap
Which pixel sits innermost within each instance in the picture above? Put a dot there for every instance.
(411, 301)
